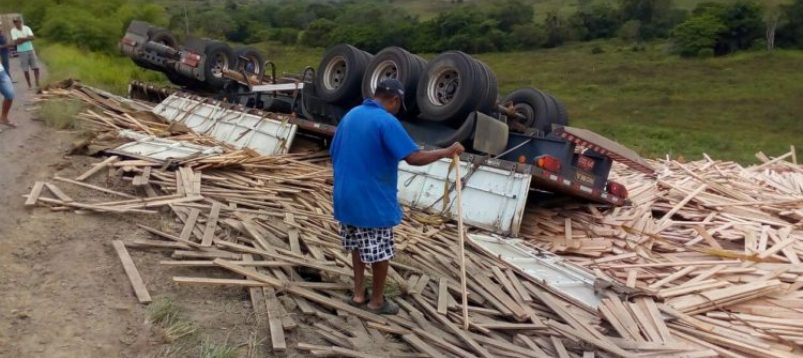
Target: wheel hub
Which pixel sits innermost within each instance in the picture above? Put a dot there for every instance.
(442, 87)
(221, 62)
(386, 70)
(335, 73)
(526, 110)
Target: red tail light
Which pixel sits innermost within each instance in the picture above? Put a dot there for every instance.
(548, 162)
(191, 59)
(617, 189)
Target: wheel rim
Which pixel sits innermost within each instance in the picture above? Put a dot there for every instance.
(443, 85)
(220, 62)
(335, 73)
(386, 70)
(527, 111)
(252, 65)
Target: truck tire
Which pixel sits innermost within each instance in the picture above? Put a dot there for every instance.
(395, 63)
(218, 56)
(487, 103)
(250, 59)
(340, 73)
(449, 88)
(562, 116)
(160, 35)
(535, 106)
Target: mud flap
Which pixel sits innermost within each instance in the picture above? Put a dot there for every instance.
(493, 199)
(240, 129)
(490, 135)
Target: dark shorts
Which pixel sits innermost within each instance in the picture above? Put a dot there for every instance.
(374, 244)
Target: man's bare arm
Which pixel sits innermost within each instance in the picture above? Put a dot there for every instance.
(424, 157)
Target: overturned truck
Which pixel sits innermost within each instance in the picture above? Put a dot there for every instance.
(516, 144)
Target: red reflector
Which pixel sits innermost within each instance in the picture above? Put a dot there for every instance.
(129, 41)
(617, 189)
(191, 59)
(548, 162)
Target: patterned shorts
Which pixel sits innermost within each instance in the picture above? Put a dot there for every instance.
(374, 244)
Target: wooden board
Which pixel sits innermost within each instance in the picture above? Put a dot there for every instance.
(131, 271)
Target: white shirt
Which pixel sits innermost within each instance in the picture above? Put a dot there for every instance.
(25, 32)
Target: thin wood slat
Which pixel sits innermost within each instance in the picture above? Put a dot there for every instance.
(131, 271)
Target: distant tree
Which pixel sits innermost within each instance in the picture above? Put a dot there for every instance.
(696, 34)
(742, 21)
(318, 33)
(630, 31)
(790, 32)
(772, 17)
(556, 30)
(528, 36)
(510, 13)
(599, 20)
(657, 17)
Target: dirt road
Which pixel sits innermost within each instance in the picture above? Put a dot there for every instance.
(63, 292)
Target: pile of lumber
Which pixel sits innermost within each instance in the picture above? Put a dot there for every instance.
(718, 243)
(708, 256)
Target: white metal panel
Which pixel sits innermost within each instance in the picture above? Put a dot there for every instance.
(493, 199)
(162, 149)
(550, 271)
(278, 87)
(266, 136)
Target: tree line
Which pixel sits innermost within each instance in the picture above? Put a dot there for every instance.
(710, 29)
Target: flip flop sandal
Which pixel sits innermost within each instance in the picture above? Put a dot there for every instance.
(350, 300)
(388, 308)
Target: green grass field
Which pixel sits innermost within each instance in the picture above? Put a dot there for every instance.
(105, 71)
(653, 102)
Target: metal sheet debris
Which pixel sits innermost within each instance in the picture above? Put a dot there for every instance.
(162, 149)
(493, 199)
(551, 271)
(266, 136)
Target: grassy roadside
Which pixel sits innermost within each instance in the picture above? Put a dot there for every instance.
(651, 101)
(111, 73)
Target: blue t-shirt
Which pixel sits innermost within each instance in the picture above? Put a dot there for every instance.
(4, 50)
(368, 145)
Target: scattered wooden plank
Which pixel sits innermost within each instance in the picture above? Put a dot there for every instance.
(443, 295)
(36, 191)
(189, 224)
(96, 168)
(211, 225)
(58, 193)
(131, 271)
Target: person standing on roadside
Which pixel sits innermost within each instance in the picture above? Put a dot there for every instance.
(23, 37)
(368, 145)
(5, 45)
(7, 91)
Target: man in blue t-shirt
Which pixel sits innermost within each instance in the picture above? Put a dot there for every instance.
(366, 150)
(5, 45)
